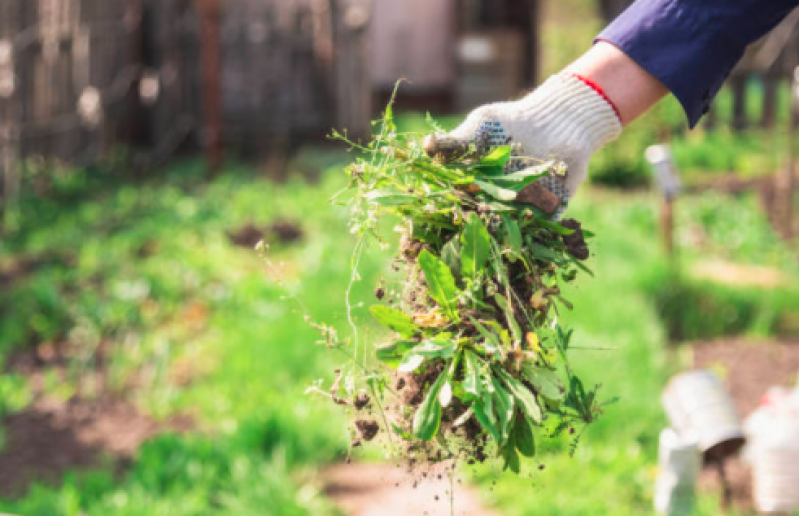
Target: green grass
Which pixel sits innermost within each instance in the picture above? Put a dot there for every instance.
(614, 468)
(142, 258)
(251, 356)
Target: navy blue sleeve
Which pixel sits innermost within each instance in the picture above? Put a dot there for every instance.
(692, 45)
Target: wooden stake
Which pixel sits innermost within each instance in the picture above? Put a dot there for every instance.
(667, 226)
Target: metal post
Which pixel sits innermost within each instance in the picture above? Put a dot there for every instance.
(669, 184)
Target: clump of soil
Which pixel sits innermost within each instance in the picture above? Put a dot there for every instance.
(361, 401)
(575, 243)
(367, 428)
(281, 231)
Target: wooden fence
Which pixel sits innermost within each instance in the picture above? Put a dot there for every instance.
(81, 78)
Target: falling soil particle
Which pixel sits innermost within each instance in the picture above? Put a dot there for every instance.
(575, 243)
(361, 400)
(368, 428)
(385, 490)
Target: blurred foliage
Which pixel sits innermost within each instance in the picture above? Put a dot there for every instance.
(198, 325)
(149, 267)
(699, 154)
(694, 309)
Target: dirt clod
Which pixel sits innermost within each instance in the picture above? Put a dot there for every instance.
(575, 243)
(538, 196)
(361, 400)
(281, 231)
(368, 428)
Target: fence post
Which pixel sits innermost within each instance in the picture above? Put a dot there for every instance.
(738, 84)
(785, 184)
(770, 82)
(210, 13)
(353, 82)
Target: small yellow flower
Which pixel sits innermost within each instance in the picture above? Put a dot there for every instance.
(432, 319)
(534, 342)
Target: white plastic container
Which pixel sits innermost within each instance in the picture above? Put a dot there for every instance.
(697, 405)
(773, 452)
(679, 462)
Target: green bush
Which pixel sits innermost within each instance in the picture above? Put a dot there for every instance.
(694, 309)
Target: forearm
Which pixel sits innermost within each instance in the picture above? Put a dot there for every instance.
(629, 87)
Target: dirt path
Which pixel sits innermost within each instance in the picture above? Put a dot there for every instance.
(388, 490)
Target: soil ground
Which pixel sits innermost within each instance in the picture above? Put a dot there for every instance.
(54, 435)
(391, 490)
(749, 368)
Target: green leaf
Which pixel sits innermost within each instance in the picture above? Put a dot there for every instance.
(545, 254)
(390, 197)
(555, 227)
(523, 437)
(528, 174)
(471, 378)
(391, 354)
(395, 320)
(440, 282)
(491, 338)
(522, 394)
(475, 246)
(416, 356)
(402, 433)
(427, 419)
(512, 461)
(483, 413)
(503, 404)
(512, 323)
(498, 207)
(450, 254)
(513, 235)
(497, 192)
(497, 157)
(545, 381)
(410, 363)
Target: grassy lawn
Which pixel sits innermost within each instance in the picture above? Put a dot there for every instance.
(195, 325)
(149, 267)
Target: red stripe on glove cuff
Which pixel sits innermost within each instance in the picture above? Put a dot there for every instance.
(594, 86)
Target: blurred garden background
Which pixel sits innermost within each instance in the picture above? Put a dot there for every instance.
(155, 363)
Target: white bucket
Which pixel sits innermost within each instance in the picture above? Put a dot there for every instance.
(697, 405)
(678, 467)
(773, 434)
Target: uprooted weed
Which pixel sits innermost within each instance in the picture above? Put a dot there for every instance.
(477, 365)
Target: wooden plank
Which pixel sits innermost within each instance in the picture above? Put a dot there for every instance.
(210, 13)
(353, 81)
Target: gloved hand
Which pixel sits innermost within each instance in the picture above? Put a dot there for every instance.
(567, 118)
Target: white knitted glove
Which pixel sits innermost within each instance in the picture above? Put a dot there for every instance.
(563, 119)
